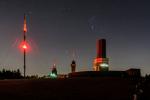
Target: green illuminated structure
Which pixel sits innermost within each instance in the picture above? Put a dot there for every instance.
(53, 74)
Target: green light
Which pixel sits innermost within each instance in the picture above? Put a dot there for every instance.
(53, 75)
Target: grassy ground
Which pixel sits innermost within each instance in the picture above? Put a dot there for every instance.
(67, 89)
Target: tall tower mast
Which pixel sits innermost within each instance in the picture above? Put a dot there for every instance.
(24, 44)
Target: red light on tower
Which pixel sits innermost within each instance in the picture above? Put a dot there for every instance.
(24, 46)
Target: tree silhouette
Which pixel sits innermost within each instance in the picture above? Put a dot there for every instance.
(10, 74)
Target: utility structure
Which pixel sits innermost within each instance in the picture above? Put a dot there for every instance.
(24, 45)
(54, 70)
(101, 61)
(53, 74)
(73, 66)
(73, 63)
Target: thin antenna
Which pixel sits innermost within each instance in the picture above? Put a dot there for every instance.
(24, 45)
(73, 54)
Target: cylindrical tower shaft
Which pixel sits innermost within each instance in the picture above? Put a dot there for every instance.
(101, 48)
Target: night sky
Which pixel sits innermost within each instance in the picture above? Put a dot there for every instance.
(62, 30)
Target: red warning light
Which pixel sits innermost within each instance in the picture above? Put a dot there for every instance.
(24, 46)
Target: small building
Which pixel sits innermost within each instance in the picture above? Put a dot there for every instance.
(98, 74)
(133, 72)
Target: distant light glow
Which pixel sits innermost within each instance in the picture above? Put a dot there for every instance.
(53, 75)
(104, 65)
(25, 24)
(24, 46)
(98, 60)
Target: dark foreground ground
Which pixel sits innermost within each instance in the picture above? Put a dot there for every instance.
(67, 89)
